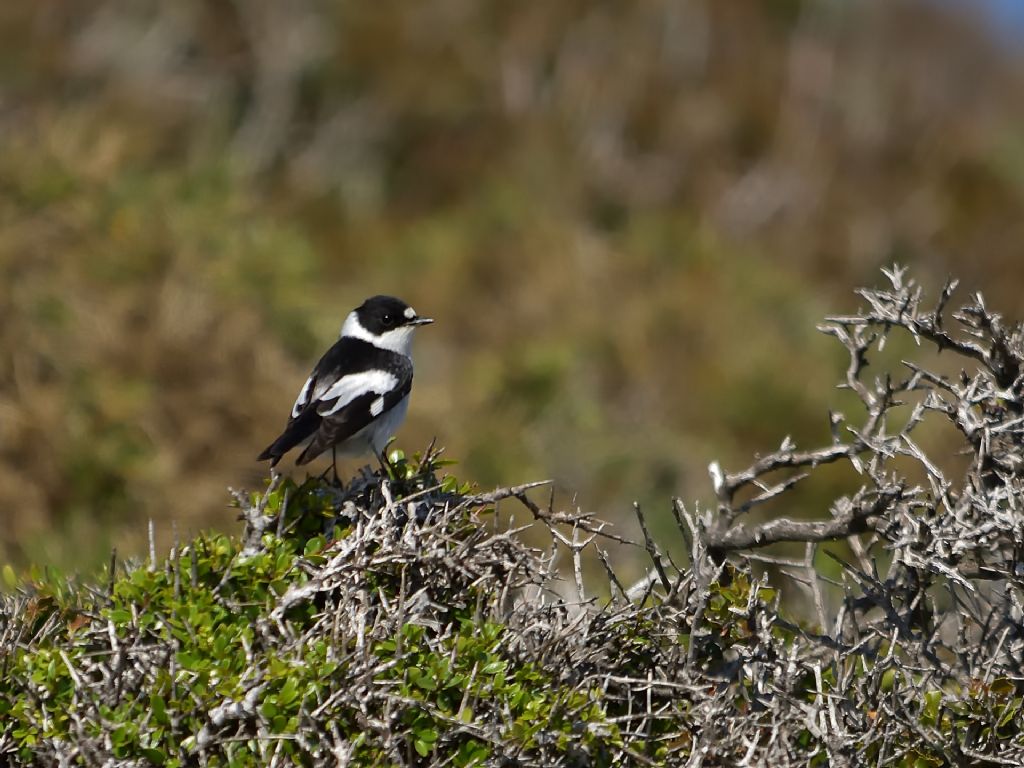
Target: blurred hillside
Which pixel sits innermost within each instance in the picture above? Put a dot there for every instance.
(626, 218)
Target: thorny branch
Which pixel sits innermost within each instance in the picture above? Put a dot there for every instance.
(984, 406)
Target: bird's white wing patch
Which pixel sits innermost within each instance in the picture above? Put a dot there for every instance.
(348, 388)
(303, 398)
(377, 406)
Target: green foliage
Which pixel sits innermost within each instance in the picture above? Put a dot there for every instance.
(468, 675)
(204, 609)
(200, 623)
(380, 630)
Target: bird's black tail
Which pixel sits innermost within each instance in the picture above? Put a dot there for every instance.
(298, 429)
(270, 453)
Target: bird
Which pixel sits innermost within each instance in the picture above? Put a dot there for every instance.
(358, 393)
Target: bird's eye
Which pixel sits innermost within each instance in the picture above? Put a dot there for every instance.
(387, 320)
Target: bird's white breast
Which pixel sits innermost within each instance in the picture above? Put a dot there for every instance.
(376, 434)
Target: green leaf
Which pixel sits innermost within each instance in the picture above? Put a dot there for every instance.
(930, 712)
(155, 756)
(424, 681)
(1002, 686)
(1011, 711)
(288, 692)
(314, 546)
(159, 709)
(429, 735)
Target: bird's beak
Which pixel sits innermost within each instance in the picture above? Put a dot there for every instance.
(421, 321)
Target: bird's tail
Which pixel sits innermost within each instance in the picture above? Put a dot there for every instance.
(270, 453)
(298, 430)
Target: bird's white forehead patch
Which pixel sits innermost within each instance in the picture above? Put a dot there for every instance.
(410, 312)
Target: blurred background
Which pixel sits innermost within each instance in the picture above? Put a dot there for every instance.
(626, 218)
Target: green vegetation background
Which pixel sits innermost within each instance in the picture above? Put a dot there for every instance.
(626, 218)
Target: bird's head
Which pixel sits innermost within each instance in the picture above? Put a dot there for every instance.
(385, 322)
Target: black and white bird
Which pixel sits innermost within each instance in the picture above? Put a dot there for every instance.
(357, 395)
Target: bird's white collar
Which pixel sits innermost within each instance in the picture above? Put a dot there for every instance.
(398, 340)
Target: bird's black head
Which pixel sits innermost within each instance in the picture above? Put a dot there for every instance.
(380, 314)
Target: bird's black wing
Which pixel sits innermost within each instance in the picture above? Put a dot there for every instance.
(352, 384)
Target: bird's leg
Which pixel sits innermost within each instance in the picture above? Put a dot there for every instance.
(385, 465)
(332, 467)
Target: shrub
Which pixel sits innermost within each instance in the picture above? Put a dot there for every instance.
(397, 620)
